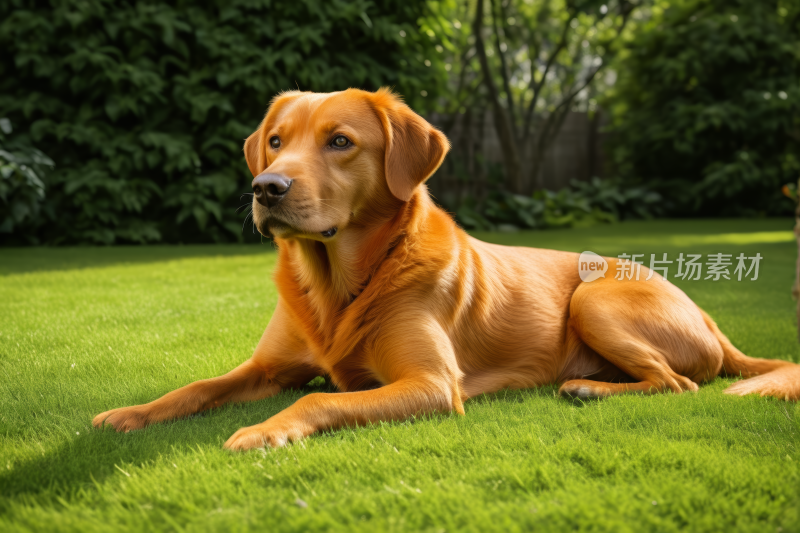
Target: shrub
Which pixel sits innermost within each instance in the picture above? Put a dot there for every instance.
(707, 105)
(144, 105)
(22, 188)
(584, 204)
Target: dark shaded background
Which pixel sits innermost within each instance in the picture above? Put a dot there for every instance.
(123, 121)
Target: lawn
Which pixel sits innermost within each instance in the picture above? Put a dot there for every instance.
(83, 330)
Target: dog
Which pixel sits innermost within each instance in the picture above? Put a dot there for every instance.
(380, 290)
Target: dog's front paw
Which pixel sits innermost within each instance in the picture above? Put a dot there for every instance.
(266, 435)
(122, 419)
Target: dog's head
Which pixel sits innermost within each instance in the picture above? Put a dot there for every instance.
(322, 161)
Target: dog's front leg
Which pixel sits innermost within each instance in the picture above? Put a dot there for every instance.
(423, 378)
(281, 360)
(320, 411)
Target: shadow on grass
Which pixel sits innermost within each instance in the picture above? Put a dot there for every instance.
(547, 391)
(95, 455)
(515, 395)
(39, 259)
(98, 453)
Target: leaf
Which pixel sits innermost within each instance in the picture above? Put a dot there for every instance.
(145, 107)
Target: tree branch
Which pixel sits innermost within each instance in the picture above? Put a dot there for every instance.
(480, 49)
(502, 122)
(537, 87)
(462, 75)
(503, 67)
(625, 14)
(552, 124)
(557, 117)
(465, 100)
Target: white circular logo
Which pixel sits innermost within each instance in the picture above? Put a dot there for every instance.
(591, 266)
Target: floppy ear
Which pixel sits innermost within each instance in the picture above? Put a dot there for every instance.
(414, 148)
(254, 153)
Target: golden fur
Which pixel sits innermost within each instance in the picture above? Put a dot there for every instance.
(408, 314)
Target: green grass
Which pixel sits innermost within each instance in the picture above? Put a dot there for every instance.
(83, 330)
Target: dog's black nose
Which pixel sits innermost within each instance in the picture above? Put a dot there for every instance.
(269, 189)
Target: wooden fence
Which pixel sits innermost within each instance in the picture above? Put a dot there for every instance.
(475, 161)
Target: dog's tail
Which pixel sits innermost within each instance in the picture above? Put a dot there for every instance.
(767, 377)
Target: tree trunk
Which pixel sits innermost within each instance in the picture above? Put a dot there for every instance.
(511, 153)
(592, 169)
(502, 121)
(548, 133)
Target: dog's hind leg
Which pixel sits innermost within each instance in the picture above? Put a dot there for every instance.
(650, 330)
(586, 389)
(635, 359)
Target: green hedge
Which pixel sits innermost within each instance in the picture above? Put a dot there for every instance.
(707, 105)
(144, 106)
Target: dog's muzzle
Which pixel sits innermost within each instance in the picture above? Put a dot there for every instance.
(270, 189)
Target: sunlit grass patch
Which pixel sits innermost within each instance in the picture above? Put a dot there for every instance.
(86, 330)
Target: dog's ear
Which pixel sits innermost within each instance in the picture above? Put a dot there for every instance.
(414, 148)
(254, 153)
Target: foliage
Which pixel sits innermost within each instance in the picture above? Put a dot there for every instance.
(22, 175)
(585, 204)
(144, 105)
(531, 63)
(707, 105)
(619, 199)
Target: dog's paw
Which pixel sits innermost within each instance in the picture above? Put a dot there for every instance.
(686, 384)
(122, 419)
(583, 390)
(266, 435)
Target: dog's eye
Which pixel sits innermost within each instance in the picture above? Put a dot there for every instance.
(340, 142)
(275, 142)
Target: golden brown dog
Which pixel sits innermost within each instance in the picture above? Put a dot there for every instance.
(407, 314)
